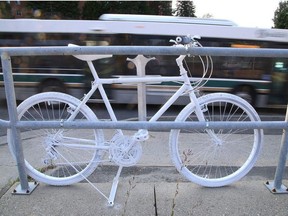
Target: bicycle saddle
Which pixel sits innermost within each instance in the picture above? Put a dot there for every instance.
(89, 57)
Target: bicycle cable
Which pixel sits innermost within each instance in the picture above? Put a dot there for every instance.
(207, 65)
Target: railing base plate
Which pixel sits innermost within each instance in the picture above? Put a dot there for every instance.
(271, 186)
(31, 187)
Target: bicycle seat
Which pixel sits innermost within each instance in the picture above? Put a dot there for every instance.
(89, 57)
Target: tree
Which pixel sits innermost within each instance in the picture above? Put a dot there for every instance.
(281, 16)
(160, 8)
(94, 9)
(55, 9)
(5, 10)
(185, 9)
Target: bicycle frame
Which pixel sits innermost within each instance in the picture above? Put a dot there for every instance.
(193, 158)
(186, 88)
(141, 135)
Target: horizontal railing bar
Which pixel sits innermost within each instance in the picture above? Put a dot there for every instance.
(161, 125)
(144, 50)
(4, 123)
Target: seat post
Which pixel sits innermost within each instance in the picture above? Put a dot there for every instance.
(93, 70)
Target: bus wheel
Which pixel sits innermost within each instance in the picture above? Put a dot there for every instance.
(245, 92)
(52, 85)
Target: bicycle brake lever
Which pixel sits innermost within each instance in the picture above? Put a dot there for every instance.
(173, 41)
(196, 37)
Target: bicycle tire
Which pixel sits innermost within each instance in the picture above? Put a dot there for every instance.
(46, 157)
(216, 162)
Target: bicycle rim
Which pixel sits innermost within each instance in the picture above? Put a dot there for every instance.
(58, 156)
(221, 156)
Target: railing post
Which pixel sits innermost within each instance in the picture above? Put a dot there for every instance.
(276, 186)
(140, 62)
(24, 187)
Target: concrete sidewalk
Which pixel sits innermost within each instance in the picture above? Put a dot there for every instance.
(136, 196)
(242, 198)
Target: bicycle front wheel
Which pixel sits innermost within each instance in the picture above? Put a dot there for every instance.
(218, 157)
(58, 156)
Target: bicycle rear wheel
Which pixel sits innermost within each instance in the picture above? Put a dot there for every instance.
(58, 156)
(218, 157)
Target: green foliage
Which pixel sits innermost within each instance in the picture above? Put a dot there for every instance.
(5, 10)
(94, 9)
(185, 9)
(281, 16)
(160, 8)
(91, 9)
(55, 9)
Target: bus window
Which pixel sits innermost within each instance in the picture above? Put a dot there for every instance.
(279, 86)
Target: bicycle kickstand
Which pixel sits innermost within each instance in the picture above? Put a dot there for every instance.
(114, 187)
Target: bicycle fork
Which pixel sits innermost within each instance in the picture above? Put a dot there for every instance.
(199, 110)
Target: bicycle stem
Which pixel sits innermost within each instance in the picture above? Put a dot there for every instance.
(179, 62)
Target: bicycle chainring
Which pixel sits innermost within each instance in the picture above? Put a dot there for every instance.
(120, 152)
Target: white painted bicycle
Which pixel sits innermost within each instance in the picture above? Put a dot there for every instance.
(211, 158)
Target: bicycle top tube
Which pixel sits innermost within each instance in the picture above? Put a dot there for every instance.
(146, 79)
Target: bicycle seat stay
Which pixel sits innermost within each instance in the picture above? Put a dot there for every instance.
(89, 57)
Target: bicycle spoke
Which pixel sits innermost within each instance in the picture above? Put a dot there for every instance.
(220, 156)
(59, 156)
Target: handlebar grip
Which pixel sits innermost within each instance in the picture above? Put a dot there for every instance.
(183, 40)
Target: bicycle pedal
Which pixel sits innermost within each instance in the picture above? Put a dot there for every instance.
(141, 135)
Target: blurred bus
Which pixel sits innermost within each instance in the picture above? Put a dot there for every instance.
(261, 81)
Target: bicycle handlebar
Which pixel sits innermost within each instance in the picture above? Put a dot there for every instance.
(186, 39)
(183, 40)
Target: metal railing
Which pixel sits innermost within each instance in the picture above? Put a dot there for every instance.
(14, 124)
